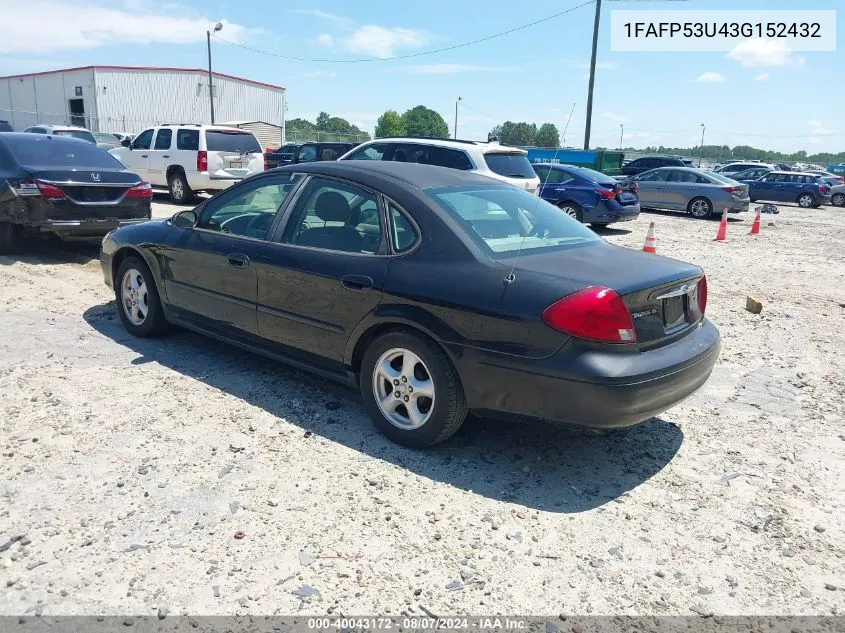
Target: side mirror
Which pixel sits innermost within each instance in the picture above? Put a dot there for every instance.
(184, 220)
(126, 143)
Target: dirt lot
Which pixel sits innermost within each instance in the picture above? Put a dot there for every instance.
(129, 465)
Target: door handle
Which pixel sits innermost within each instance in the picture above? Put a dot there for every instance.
(166, 156)
(356, 282)
(144, 155)
(238, 260)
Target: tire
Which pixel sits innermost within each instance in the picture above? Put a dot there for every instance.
(700, 208)
(838, 200)
(806, 200)
(153, 322)
(7, 234)
(180, 191)
(573, 210)
(436, 418)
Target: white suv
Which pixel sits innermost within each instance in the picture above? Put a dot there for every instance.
(508, 164)
(186, 159)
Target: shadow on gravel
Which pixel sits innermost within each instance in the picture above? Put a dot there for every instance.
(52, 250)
(540, 466)
(732, 217)
(609, 230)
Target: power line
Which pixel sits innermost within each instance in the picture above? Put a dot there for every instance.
(409, 55)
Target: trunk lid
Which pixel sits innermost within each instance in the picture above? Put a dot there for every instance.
(87, 187)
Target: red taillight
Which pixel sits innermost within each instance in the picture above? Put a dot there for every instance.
(841, 179)
(824, 189)
(50, 191)
(595, 313)
(144, 190)
(202, 161)
(606, 194)
(702, 294)
(732, 189)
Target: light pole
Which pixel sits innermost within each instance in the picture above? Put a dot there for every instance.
(456, 116)
(589, 121)
(701, 147)
(217, 27)
(621, 134)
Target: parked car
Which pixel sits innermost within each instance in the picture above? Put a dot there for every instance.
(645, 163)
(123, 136)
(187, 159)
(749, 174)
(281, 156)
(106, 141)
(700, 193)
(5, 126)
(508, 164)
(735, 168)
(65, 186)
(63, 130)
(435, 291)
(836, 184)
(588, 195)
(807, 190)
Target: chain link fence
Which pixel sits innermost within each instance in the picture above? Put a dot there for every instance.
(312, 136)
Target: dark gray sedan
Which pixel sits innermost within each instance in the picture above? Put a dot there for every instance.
(702, 194)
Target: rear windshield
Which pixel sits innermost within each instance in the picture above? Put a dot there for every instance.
(592, 175)
(41, 151)
(82, 135)
(225, 141)
(105, 138)
(510, 165)
(503, 220)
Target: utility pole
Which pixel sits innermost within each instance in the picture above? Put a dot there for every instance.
(592, 77)
(217, 27)
(701, 147)
(456, 117)
(621, 134)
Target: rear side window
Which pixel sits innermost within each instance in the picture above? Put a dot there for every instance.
(402, 233)
(510, 165)
(231, 141)
(332, 152)
(163, 139)
(188, 140)
(41, 151)
(451, 158)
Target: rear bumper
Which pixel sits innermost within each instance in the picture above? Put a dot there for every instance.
(84, 228)
(588, 387)
(731, 206)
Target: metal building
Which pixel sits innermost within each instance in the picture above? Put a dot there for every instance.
(129, 99)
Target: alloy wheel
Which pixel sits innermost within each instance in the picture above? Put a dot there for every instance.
(805, 201)
(700, 208)
(403, 389)
(177, 188)
(134, 296)
(570, 211)
(838, 200)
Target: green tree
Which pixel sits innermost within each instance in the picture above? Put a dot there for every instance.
(322, 120)
(547, 136)
(517, 133)
(391, 123)
(422, 121)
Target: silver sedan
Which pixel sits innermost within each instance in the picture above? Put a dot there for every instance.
(702, 194)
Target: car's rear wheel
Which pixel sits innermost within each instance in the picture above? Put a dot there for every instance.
(411, 390)
(806, 200)
(573, 210)
(838, 200)
(138, 303)
(700, 208)
(180, 191)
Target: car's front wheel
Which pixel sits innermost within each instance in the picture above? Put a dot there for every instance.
(700, 208)
(138, 303)
(838, 200)
(411, 390)
(806, 200)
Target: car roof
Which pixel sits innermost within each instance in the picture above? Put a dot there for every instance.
(486, 148)
(411, 174)
(28, 137)
(62, 128)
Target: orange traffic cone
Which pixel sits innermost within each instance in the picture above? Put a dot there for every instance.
(650, 245)
(755, 228)
(722, 233)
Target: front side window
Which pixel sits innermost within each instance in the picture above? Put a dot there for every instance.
(504, 220)
(307, 153)
(143, 140)
(376, 151)
(163, 138)
(335, 216)
(188, 140)
(248, 210)
(511, 165)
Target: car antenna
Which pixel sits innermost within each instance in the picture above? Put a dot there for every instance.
(511, 276)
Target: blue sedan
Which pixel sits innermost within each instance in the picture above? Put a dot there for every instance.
(806, 189)
(587, 195)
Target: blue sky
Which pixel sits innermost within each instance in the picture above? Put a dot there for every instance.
(785, 101)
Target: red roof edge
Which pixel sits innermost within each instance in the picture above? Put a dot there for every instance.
(153, 68)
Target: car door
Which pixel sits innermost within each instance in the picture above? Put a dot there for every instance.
(679, 187)
(562, 185)
(136, 157)
(651, 188)
(767, 187)
(326, 270)
(210, 268)
(159, 157)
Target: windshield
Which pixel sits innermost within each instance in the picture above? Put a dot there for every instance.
(82, 135)
(105, 138)
(510, 165)
(501, 220)
(41, 151)
(231, 141)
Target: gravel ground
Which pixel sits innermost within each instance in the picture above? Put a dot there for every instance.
(183, 475)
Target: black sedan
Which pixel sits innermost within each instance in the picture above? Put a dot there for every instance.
(64, 186)
(435, 291)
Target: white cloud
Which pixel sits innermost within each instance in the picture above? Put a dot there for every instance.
(710, 78)
(614, 117)
(324, 39)
(817, 129)
(448, 69)
(762, 77)
(66, 26)
(324, 15)
(321, 73)
(764, 53)
(382, 42)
